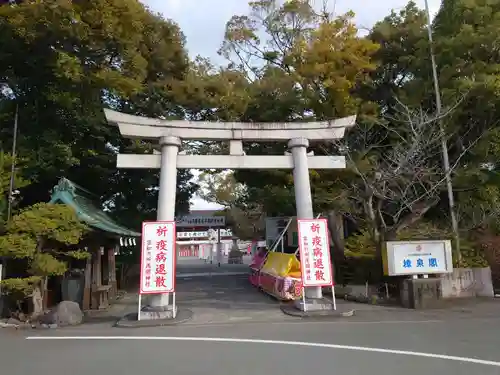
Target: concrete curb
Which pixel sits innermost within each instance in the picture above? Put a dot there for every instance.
(381, 302)
(291, 310)
(130, 320)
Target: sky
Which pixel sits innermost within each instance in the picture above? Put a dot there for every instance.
(203, 23)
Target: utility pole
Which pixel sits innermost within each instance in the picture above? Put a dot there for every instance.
(444, 146)
(13, 166)
(3, 260)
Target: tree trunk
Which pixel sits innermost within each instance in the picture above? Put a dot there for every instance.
(37, 300)
(39, 288)
(335, 232)
(45, 293)
(419, 210)
(335, 228)
(122, 277)
(378, 271)
(125, 269)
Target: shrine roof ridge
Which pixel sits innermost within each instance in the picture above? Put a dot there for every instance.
(133, 126)
(87, 210)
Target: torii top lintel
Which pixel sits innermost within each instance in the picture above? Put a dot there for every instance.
(149, 128)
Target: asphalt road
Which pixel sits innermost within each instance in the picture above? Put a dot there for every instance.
(376, 342)
(85, 350)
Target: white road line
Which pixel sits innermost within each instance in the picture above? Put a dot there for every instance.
(275, 342)
(336, 323)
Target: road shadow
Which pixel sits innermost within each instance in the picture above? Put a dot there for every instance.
(213, 294)
(231, 292)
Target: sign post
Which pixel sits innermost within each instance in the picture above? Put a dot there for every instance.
(158, 260)
(212, 237)
(201, 221)
(203, 234)
(413, 258)
(315, 262)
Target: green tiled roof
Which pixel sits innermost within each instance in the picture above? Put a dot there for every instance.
(69, 193)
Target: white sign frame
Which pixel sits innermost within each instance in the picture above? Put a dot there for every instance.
(305, 254)
(171, 251)
(203, 234)
(393, 246)
(200, 221)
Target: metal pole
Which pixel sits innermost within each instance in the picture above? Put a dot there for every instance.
(3, 268)
(174, 306)
(444, 146)
(13, 165)
(282, 234)
(139, 306)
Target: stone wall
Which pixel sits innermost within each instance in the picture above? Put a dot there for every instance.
(462, 283)
(467, 283)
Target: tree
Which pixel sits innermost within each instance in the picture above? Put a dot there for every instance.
(246, 220)
(402, 55)
(5, 179)
(44, 237)
(85, 56)
(466, 49)
(209, 93)
(321, 54)
(394, 184)
(304, 65)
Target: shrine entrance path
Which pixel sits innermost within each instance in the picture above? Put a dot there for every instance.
(223, 294)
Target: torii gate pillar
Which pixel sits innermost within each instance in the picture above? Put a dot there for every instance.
(168, 178)
(302, 186)
(166, 196)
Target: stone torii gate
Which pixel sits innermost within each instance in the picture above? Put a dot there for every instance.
(169, 133)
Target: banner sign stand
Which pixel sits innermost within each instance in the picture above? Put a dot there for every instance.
(158, 252)
(315, 261)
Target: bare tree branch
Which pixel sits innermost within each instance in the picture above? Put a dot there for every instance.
(396, 164)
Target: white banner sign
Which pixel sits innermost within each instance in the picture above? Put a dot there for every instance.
(204, 234)
(314, 249)
(200, 221)
(158, 257)
(418, 257)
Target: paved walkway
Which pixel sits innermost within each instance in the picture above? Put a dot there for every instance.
(213, 299)
(226, 299)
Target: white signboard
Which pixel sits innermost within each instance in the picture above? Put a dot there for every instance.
(314, 249)
(204, 234)
(200, 221)
(158, 257)
(418, 257)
